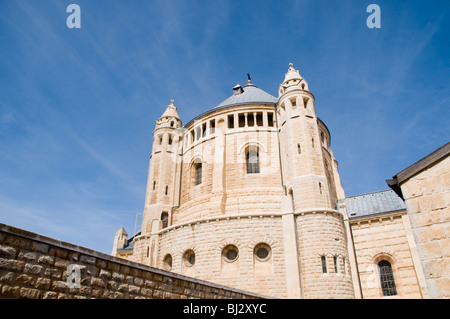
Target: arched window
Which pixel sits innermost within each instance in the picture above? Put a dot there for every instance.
(336, 266)
(167, 262)
(198, 173)
(189, 258)
(252, 160)
(323, 260)
(165, 219)
(387, 278)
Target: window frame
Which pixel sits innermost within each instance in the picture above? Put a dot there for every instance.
(387, 279)
(252, 168)
(198, 172)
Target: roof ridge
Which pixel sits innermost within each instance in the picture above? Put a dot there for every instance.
(386, 190)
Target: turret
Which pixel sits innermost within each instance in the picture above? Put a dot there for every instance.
(120, 240)
(309, 181)
(164, 169)
(303, 163)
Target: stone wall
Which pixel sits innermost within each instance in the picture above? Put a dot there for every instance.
(427, 198)
(385, 237)
(208, 238)
(322, 239)
(37, 267)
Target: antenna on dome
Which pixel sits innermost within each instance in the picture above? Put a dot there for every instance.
(249, 79)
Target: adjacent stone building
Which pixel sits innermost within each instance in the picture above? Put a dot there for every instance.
(248, 195)
(425, 188)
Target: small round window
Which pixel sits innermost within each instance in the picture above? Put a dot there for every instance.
(262, 252)
(167, 262)
(189, 258)
(230, 253)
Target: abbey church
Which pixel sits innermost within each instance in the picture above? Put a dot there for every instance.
(248, 195)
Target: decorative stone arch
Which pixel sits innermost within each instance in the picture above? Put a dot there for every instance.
(189, 246)
(219, 252)
(262, 154)
(228, 241)
(246, 145)
(196, 160)
(389, 255)
(260, 241)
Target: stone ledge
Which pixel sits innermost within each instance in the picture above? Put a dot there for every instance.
(246, 216)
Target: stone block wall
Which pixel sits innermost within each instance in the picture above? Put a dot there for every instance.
(209, 237)
(379, 238)
(427, 198)
(324, 257)
(37, 267)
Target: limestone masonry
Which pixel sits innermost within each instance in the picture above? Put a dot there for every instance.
(248, 195)
(37, 267)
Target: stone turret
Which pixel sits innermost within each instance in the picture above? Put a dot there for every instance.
(308, 177)
(120, 240)
(162, 192)
(162, 184)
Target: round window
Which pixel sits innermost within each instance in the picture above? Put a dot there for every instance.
(230, 253)
(189, 258)
(262, 252)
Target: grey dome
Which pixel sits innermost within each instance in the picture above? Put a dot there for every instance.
(251, 94)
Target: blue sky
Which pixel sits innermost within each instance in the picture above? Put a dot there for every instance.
(78, 106)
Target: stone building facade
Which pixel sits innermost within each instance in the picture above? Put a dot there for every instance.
(248, 195)
(425, 188)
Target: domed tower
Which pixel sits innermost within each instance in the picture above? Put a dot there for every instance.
(163, 182)
(244, 195)
(310, 177)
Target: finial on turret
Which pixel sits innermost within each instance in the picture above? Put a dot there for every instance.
(249, 79)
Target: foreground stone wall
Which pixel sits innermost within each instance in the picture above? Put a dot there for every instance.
(37, 267)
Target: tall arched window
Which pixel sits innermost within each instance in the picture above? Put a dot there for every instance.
(165, 219)
(198, 173)
(252, 160)
(387, 278)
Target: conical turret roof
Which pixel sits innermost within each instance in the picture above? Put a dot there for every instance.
(292, 74)
(171, 111)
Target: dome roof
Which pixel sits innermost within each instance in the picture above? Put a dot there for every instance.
(249, 94)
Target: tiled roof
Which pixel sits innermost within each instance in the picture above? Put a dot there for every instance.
(373, 203)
